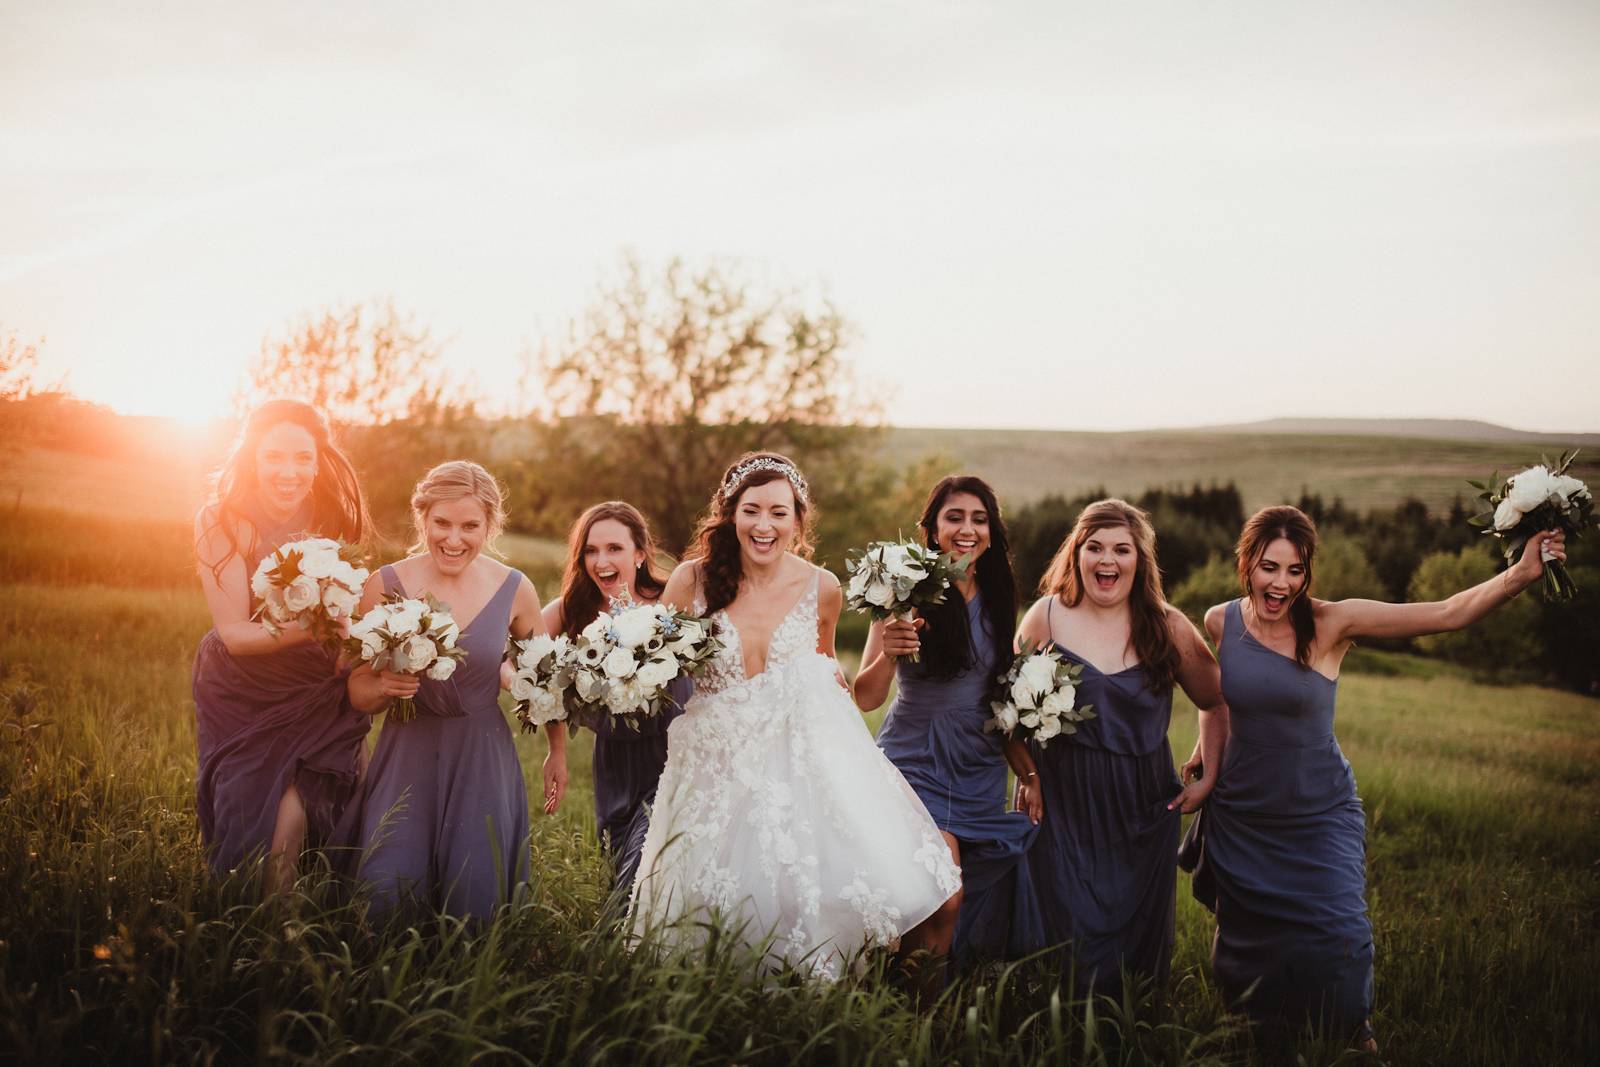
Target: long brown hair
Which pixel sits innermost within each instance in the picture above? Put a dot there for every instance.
(580, 597)
(1296, 527)
(947, 643)
(338, 508)
(715, 541)
(1150, 633)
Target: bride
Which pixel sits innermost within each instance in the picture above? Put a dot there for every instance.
(776, 813)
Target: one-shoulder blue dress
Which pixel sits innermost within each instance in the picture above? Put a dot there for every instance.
(266, 722)
(1281, 847)
(443, 815)
(1104, 867)
(934, 733)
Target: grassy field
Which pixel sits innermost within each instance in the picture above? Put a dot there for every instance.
(115, 946)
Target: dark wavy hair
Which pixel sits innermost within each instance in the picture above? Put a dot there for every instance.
(338, 508)
(1295, 526)
(580, 597)
(715, 541)
(1150, 633)
(947, 642)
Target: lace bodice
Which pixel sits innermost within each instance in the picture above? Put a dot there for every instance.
(795, 635)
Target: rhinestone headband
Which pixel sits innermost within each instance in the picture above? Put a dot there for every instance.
(767, 463)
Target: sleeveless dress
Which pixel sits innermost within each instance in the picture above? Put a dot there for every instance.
(443, 815)
(777, 813)
(265, 722)
(934, 734)
(1281, 847)
(627, 769)
(1104, 866)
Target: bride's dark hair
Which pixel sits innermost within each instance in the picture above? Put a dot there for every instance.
(716, 543)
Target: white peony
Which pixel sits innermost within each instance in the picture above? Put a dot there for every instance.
(1568, 487)
(371, 644)
(339, 601)
(619, 663)
(858, 584)
(596, 630)
(1047, 729)
(1006, 716)
(543, 707)
(1058, 703)
(301, 594)
(1023, 695)
(260, 584)
(1506, 515)
(636, 626)
(657, 672)
(319, 560)
(1038, 673)
(442, 668)
(1530, 489)
(589, 684)
(535, 649)
(880, 593)
(404, 617)
(415, 653)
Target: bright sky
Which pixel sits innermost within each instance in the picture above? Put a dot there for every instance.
(1056, 215)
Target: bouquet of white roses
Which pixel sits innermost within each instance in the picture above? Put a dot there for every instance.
(315, 582)
(620, 665)
(1036, 696)
(410, 636)
(1544, 497)
(889, 578)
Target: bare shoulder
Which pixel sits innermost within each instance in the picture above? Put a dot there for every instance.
(1178, 624)
(827, 581)
(1215, 616)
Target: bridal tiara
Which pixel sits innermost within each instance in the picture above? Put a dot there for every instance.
(767, 463)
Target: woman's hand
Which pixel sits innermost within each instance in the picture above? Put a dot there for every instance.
(555, 779)
(1192, 768)
(1194, 794)
(393, 685)
(900, 637)
(1029, 800)
(1530, 568)
(506, 672)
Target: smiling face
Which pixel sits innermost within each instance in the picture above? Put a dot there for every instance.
(611, 559)
(1278, 577)
(764, 521)
(455, 531)
(1108, 563)
(286, 468)
(962, 526)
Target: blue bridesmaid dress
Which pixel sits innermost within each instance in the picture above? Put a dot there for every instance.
(627, 768)
(1279, 851)
(934, 734)
(443, 818)
(1104, 866)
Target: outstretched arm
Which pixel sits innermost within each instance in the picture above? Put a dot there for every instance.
(1348, 620)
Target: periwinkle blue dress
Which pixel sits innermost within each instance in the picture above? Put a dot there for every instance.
(266, 722)
(1104, 867)
(934, 735)
(443, 815)
(1281, 847)
(627, 768)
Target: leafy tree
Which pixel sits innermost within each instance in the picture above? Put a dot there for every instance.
(1506, 642)
(1215, 582)
(671, 373)
(1343, 572)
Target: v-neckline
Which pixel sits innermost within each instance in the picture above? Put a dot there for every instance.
(744, 667)
(1084, 660)
(463, 628)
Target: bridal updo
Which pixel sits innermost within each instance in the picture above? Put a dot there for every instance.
(452, 481)
(715, 541)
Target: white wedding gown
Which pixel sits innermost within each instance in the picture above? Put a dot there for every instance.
(777, 813)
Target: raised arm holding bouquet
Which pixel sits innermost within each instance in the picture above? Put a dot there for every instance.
(1540, 498)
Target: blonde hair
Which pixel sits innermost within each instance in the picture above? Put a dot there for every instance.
(457, 480)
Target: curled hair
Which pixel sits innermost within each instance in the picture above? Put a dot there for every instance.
(1296, 527)
(1149, 632)
(457, 480)
(716, 542)
(580, 597)
(947, 648)
(338, 509)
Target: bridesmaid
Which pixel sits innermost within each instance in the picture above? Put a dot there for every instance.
(1103, 867)
(611, 556)
(280, 748)
(1281, 847)
(443, 817)
(934, 732)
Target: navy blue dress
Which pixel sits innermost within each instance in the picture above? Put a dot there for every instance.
(266, 722)
(1281, 847)
(1104, 866)
(443, 815)
(934, 735)
(627, 768)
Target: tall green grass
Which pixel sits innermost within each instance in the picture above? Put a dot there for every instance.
(116, 946)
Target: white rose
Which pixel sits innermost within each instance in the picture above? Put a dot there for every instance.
(318, 562)
(619, 664)
(442, 668)
(260, 584)
(371, 645)
(1506, 515)
(544, 707)
(300, 594)
(522, 687)
(635, 627)
(588, 684)
(880, 593)
(405, 617)
(1022, 695)
(596, 631)
(657, 672)
(1047, 729)
(416, 653)
(1038, 674)
(858, 584)
(1530, 489)
(1057, 704)
(339, 601)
